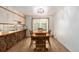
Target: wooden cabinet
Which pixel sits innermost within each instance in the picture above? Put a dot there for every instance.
(8, 40)
(3, 16)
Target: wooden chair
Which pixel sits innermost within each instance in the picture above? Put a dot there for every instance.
(32, 38)
(40, 44)
(48, 37)
(49, 32)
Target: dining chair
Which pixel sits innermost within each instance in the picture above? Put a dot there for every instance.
(32, 38)
(40, 44)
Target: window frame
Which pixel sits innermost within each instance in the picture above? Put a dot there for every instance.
(40, 18)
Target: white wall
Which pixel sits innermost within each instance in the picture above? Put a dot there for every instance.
(51, 24)
(66, 27)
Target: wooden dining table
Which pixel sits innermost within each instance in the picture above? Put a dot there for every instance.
(40, 38)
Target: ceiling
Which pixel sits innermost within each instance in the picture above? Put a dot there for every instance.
(32, 10)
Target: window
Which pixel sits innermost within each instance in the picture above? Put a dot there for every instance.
(40, 23)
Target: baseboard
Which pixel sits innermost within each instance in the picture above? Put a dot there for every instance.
(62, 44)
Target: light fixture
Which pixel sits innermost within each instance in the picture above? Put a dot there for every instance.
(40, 10)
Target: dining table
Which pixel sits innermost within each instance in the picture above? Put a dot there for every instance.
(40, 39)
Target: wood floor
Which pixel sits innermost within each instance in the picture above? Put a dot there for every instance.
(23, 46)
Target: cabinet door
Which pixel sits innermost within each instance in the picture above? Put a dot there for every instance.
(3, 16)
(10, 17)
(3, 19)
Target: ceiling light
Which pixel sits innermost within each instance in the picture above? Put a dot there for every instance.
(40, 10)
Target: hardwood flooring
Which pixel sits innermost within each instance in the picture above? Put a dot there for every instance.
(23, 46)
